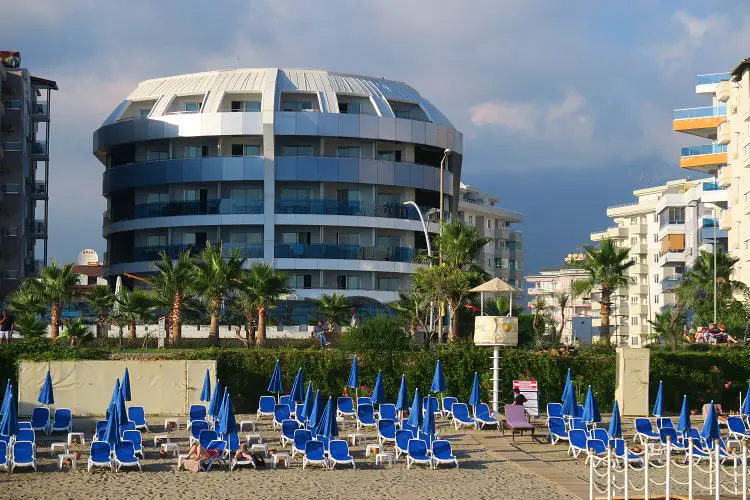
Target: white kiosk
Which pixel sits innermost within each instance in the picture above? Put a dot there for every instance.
(496, 331)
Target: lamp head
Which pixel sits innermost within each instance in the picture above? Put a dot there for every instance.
(447, 152)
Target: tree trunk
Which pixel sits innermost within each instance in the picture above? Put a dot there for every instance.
(247, 336)
(100, 326)
(562, 324)
(176, 317)
(54, 323)
(261, 337)
(453, 327)
(604, 336)
(120, 326)
(213, 329)
(131, 329)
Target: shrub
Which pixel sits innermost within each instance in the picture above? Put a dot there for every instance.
(379, 333)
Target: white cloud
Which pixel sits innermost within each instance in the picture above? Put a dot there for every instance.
(515, 117)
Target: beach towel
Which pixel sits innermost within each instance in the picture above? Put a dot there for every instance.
(192, 464)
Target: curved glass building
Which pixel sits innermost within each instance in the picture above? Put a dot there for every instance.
(306, 169)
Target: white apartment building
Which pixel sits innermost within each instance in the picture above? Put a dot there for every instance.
(726, 124)
(665, 230)
(503, 256)
(577, 315)
(24, 169)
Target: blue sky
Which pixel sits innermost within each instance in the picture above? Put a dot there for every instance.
(565, 106)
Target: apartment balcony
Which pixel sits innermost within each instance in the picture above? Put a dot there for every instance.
(12, 146)
(724, 133)
(10, 188)
(670, 282)
(502, 233)
(40, 111)
(40, 151)
(617, 232)
(641, 249)
(714, 194)
(725, 220)
(37, 229)
(707, 84)
(724, 178)
(352, 208)
(177, 208)
(706, 158)
(39, 190)
(701, 122)
(710, 222)
(598, 236)
(723, 90)
(141, 254)
(346, 252)
(642, 289)
(671, 257)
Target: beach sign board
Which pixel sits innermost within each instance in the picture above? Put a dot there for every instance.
(529, 389)
(496, 330)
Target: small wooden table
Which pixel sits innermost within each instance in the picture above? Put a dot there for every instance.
(281, 457)
(373, 448)
(66, 456)
(383, 457)
(251, 423)
(59, 446)
(259, 448)
(160, 439)
(77, 435)
(174, 448)
(171, 424)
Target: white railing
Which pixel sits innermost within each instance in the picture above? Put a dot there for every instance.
(658, 472)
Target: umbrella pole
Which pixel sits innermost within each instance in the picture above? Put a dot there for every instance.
(495, 378)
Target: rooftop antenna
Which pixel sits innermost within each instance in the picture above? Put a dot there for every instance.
(238, 62)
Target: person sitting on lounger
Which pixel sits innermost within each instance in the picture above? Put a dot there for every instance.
(518, 398)
(243, 453)
(194, 457)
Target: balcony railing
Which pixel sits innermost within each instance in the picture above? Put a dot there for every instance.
(712, 78)
(353, 208)
(39, 188)
(710, 222)
(14, 104)
(10, 188)
(13, 146)
(177, 208)
(37, 228)
(139, 254)
(711, 186)
(347, 252)
(40, 148)
(40, 108)
(703, 112)
(703, 149)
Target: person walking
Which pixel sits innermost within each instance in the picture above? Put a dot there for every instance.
(355, 319)
(6, 327)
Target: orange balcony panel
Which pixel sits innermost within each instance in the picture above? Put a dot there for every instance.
(710, 161)
(702, 126)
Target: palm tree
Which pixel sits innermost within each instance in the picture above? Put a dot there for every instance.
(458, 245)
(668, 326)
(607, 266)
(333, 307)
(136, 305)
(102, 300)
(172, 286)
(266, 286)
(214, 279)
(539, 306)
(56, 287)
(562, 299)
(76, 331)
(29, 326)
(25, 301)
(245, 305)
(413, 307)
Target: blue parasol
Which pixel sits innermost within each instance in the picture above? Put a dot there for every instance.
(428, 423)
(474, 397)
(438, 379)
(327, 427)
(125, 386)
(710, 429)
(684, 424)
(9, 422)
(46, 395)
(298, 388)
(566, 387)
(615, 425)
(591, 408)
(415, 413)
(215, 405)
(570, 405)
(275, 385)
(206, 392)
(402, 402)
(378, 394)
(659, 404)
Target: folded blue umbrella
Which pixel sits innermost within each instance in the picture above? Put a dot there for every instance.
(438, 379)
(659, 404)
(745, 404)
(428, 423)
(615, 425)
(9, 422)
(125, 386)
(46, 395)
(591, 408)
(298, 388)
(275, 385)
(215, 404)
(120, 409)
(402, 402)
(6, 397)
(684, 424)
(307, 407)
(316, 411)
(353, 380)
(327, 427)
(474, 397)
(222, 408)
(227, 424)
(115, 394)
(206, 392)
(378, 394)
(570, 405)
(566, 387)
(710, 429)
(415, 413)
(112, 431)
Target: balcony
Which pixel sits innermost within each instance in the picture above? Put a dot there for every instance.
(40, 150)
(670, 282)
(699, 121)
(671, 256)
(40, 111)
(706, 158)
(725, 220)
(39, 190)
(140, 254)
(15, 104)
(724, 178)
(710, 222)
(346, 252)
(178, 208)
(10, 188)
(707, 84)
(13, 146)
(37, 229)
(617, 232)
(352, 208)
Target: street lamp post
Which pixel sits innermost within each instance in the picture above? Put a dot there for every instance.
(429, 247)
(442, 166)
(716, 242)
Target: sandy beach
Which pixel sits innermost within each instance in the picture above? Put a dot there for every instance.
(483, 473)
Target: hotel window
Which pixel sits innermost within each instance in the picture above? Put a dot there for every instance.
(350, 108)
(634, 299)
(401, 113)
(656, 278)
(301, 281)
(348, 152)
(297, 151)
(390, 284)
(349, 239)
(196, 151)
(348, 195)
(246, 106)
(489, 224)
(157, 198)
(344, 282)
(297, 106)
(192, 107)
(156, 240)
(634, 320)
(387, 241)
(296, 194)
(389, 155)
(656, 257)
(656, 299)
(633, 221)
(296, 238)
(672, 215)
(634, 240)
(143, 113)
(245, 150)
(656, 238)
(633, 340)
(157, 155)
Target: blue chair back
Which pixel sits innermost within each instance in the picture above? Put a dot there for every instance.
(281, 412)
(339, 449)
(286, 399)
(442, 449)
(40, 417)
(198, 427)
(461, 412)
(314, 450)
(25, 425)
(197, 412)
(137, 415)
(557, 426)
(23, 451)
(579, 411)
(288, 427)
(483, 411)
(597, 446)
(554, 410)
(135, 438)
(427, 438)
(26, 435)
(100, 451)
(387, 428)
(364, 400)
(448, 402)
(206, 436)
(130, 426)
(402, 438)
(299, 408)
(366, 413)
(417, 448)
(100, 424)
(664, 422)
(408, 427)
(600, 434)
(3, 452)
(644, 425)
(100, 433)
(387, 411)
(578, 423)
(577, 438)
(666, 432)
(266, 404)
(345, 405)
(736, 424)
(63, 417)
(302, 436)
(125, 452)
(432, 401)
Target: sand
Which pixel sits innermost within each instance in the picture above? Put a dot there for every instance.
(482, 474)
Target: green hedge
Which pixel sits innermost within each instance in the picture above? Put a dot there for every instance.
(719, 374)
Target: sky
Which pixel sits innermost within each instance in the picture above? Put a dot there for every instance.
(565, 107)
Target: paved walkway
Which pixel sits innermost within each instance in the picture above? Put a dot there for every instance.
(504, 449)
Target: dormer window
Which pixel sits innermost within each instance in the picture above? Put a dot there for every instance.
(299, 102)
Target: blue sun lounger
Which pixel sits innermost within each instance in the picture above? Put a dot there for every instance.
(338, 453)
(417, 453)
(442, 454)
(40, 419)
(288, 427)
(314, 454)
(125, 456)
(23, 455)
(100, 455)
(266, 405)
(402, 441)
